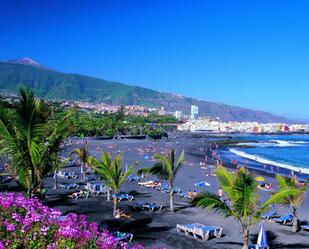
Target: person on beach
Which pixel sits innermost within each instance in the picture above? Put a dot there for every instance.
(120, 214)
(190, 194)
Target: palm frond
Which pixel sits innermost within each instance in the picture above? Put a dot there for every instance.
(127, 173)
(226, 180)
(244, 193)
(281, 196)
(166, 163)
(212, 201)
(282, 183)
(179, 161)
(159, 170)
(145, 171)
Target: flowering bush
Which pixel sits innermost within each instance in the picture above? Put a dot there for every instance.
(27, 223)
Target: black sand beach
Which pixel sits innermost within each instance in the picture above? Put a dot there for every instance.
(159, 228)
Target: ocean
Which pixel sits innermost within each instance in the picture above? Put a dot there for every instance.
(290, 152)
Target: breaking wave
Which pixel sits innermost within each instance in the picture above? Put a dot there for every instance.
(267, 161)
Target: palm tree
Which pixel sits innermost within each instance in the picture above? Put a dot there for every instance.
(166, 168)
(241, 190)
(293, 201)
(31, 138)
(113, 173)
(83, 155)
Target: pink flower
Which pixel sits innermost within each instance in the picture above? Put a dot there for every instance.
(2, 245)
(24, 219)
(10, 227)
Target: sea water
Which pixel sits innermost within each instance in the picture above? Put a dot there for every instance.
(285, 151)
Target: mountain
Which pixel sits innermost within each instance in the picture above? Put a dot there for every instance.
(69, 86)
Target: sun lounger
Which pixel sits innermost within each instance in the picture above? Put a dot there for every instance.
(72, 163)
(93, 178)
(305, 227)
(284, 219)
(123, 197)
(153, 185)
(255, 246)
(200, 231)
(270, 215)
(119, 236)
(132, 178)
(96, 188)
(163, 188)
(138, 205)
(181, 194)
(148, 205)
(175, 190)
(68, 186)
(5, 179)
(152, 206)
(67, 175)
(145, 183)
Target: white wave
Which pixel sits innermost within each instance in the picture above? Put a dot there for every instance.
(275, 143)
(284, 143)
(259, 144)
(300, 142)
(268, 162)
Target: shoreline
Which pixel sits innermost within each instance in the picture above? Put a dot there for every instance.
(264, 161)
(270, 168)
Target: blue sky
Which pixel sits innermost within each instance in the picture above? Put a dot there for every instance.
(253, 54)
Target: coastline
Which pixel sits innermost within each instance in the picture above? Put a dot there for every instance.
(296, 169)
(228, 149)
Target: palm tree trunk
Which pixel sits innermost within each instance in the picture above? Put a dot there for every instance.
(108, 194)
(245, 236)
(36, 183)
(84, 172)
(171, 196)
(295, 226)
(30, 191)
(115, 206)
(56, 183)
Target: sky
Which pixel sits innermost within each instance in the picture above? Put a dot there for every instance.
(253, 54)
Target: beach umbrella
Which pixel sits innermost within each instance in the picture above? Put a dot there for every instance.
(202, 184)
(262, 238)
(260, 179)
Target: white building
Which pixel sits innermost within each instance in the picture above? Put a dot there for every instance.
(194, 112)
(178, 115)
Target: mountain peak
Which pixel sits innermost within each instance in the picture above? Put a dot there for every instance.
(25, 61)
(28, 61)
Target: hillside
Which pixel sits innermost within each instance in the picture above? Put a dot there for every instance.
(66, 86)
